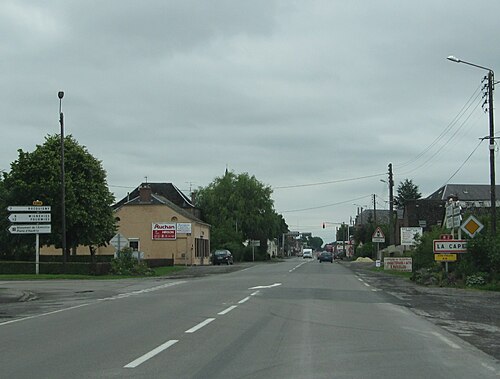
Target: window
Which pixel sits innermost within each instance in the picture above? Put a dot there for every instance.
(133, 244)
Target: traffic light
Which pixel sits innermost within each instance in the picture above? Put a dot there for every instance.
(323, 225)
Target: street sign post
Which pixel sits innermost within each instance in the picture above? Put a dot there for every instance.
(30, 229)
(28, 208)
(29, 217)
(37, 227)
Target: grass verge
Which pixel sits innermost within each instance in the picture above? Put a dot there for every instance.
(158, 271)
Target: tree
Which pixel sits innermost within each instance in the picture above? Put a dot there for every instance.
(315, 242)
(36, 176)
(239, 208)
(406, 191)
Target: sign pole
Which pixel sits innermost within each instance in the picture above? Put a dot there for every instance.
(37, 258)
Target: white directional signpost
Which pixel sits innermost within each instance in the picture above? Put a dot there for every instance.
(36, 222)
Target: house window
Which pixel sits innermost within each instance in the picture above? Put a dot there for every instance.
(133, 244)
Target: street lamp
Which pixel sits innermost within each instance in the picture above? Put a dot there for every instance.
(491, 81)
(63, 187)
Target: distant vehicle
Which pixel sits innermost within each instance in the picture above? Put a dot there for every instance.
(222, 257)
(339, 255)
(307, 253)
(325, 256)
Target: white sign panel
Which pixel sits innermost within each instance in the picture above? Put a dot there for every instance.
(450, 246)
(408, 235)
(398, 264)
(28, 208)
(30, 229)
(29, 217)
(184, 228)
(378, 235)
(119, 241)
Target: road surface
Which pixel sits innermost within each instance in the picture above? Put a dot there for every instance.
(296, 319)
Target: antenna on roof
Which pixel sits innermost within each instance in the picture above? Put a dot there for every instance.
(146, 179)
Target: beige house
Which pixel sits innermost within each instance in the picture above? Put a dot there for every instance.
(160, 224)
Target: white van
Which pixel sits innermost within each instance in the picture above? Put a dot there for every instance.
(307, 253)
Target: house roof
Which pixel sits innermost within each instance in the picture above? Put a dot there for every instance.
(162, 194)
(465, 192)
(167, 190)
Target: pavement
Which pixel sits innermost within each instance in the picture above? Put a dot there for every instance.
(472, 315)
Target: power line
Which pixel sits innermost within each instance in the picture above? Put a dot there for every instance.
(462, 165)
(326, 205)
(330, 182)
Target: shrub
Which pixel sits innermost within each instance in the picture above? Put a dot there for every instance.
(475, 280)
(126, 264)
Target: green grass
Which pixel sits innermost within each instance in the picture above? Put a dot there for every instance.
(158, 271)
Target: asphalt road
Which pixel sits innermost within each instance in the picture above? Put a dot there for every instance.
(296, 319)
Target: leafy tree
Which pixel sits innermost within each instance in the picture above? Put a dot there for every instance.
(406, 191)
(36, 176)
(239, 208)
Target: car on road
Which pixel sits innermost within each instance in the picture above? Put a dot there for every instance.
(339, 255)
(222, 256)
(307, 253)
(325, 256)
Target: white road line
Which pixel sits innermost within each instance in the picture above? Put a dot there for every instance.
(200, 325)
(227, 310)
(361, 280)
(244, 300)
(44, 314)
(269, 286)
(151, 354)
(254, 293)
(139, 292)
(446, 340)
(366, 284)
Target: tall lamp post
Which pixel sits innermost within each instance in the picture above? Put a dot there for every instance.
(491, 82)
(63, 186)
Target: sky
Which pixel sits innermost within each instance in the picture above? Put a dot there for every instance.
(313, 98)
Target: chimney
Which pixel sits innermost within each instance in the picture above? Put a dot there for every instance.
(145, 194)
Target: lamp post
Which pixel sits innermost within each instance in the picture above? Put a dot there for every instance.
(491, 81)
(63, 186)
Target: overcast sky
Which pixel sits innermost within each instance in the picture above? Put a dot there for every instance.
(314, 98)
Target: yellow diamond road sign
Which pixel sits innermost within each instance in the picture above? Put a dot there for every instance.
(472, 226)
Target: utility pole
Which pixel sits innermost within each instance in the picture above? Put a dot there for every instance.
(392, 234)
(492, 154)
(374, 210)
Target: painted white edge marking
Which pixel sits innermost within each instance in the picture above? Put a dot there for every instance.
(254, 293)
(200, 325)
(366, 284)
(116, 297)
(446, 340)
(227, 310)
(151, 354)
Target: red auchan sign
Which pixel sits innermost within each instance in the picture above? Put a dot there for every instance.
(164, 231)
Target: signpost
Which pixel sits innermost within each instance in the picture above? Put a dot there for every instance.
(378, 237)
(40, 223)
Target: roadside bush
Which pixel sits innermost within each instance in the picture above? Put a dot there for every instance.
(365, 250)
(478, 279)
(126, 264)
(423, 255)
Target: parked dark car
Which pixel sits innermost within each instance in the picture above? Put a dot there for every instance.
(325, 257)
(222, 257)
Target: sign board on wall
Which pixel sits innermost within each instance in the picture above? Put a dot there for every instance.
(184, 228)
(408, 235)
(163, 231)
